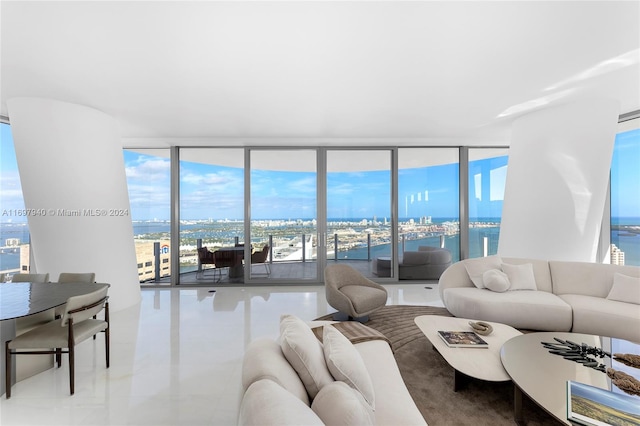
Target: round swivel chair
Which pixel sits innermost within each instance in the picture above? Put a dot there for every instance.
(351, 293)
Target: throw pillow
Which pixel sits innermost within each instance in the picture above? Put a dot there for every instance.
(521, 277)
(496, 280)
(267, 403)
(476, 267)
(625, 289)
(337, 404)
(346, 364)
(304, 353)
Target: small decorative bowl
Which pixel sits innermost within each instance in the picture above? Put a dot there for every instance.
(481, 327)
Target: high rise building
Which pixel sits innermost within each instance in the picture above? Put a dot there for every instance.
(617, 255)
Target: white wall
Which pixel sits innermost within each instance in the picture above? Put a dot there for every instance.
(556, 187)
(70, 159)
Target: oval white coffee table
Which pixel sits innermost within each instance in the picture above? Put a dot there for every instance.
(479, 363)
(543, 377)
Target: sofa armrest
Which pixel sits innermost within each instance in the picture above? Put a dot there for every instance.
(454, 276)
(394, 404)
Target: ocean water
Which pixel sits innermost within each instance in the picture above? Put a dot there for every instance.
(628, 242)
(451, 242)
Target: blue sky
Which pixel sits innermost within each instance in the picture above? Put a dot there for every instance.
(10, 189)
(216, 192)
(210, 191)
(625, 188)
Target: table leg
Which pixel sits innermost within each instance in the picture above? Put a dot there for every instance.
(517, 405)
(7, 332)
(460, 380)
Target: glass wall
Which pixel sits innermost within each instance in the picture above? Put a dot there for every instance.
(625, 198)
(211, 209)
(148, 179)
(14, 229)
(283, 196)
(428, 199)
(283, 200)
(359, 213)
(487, 178)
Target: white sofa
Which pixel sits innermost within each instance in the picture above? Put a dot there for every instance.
(582, 297)
(363, 385)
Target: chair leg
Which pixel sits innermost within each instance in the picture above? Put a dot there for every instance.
(106, 345)
(7, 373)
(59, 357)
(107, 332)
(72, 368)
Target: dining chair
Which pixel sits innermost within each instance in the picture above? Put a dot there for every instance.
(76, 325)
(72, 277)
(30, 278)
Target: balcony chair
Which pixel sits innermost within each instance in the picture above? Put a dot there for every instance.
(30, 278)
(351, 293)
(260, 257)
(205, 257)
(76, 325)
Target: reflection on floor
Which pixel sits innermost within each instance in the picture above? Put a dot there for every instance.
(175, 358)
(279, 271)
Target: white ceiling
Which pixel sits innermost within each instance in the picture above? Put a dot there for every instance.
(324, 73)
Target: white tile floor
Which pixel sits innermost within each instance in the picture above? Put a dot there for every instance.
(175, 358)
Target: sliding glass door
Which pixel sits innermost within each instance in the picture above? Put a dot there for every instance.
(283, 231)
(359, 210)
(211, 211)
(428, 199)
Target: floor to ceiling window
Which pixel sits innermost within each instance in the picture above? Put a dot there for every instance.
(283, 227)
(359, 207)
(428, 199)
(14, 229)
(487, 178)
(148, 179)
(315, 205)
(625, 198)
(211, 210)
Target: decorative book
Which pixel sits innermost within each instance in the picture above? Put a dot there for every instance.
(462, 339)
(590, 405)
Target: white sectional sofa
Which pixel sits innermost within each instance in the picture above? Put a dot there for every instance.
(300, 381)
(542, 295)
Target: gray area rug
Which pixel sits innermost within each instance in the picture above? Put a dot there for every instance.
(430, 379)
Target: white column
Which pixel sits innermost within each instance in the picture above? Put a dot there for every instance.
(556, 187)
(73, 179)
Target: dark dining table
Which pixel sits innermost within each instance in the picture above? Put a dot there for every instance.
(24, 301)
(236, 254)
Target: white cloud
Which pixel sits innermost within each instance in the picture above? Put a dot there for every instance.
(156, 169)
